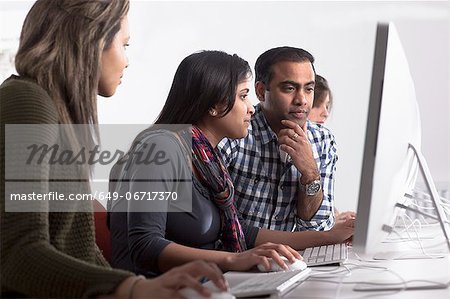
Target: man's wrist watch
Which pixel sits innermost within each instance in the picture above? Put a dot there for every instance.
(312, 188)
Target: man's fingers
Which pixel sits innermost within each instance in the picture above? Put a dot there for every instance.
(291, 124)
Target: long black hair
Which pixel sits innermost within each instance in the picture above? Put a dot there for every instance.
(202, 81)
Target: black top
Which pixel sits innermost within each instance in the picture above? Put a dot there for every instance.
(138, 238)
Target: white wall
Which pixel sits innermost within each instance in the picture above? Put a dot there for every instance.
(340, 35)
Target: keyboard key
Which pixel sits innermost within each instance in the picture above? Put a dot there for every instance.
(269, 283)
(322, 255)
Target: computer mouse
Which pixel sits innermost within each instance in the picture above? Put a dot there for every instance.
(216, 294)
(274, 267)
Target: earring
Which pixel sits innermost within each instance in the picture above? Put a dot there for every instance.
(213, 112)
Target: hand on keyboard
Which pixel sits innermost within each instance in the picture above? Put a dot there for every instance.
(343, 229)
(261, 255)
(348, 215)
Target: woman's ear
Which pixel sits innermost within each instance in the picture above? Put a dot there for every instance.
(260, 90)
(212, 112)
(217, 109)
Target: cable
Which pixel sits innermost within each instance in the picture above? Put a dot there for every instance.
(400, 286)
(341, 280)
(362, 266)
(444, 202)
(400, 205)
(426, 195)
(422, 207)
(333, 273)
(405, 226)
(404, 284)
(327, 270)
(417, 239)
(364, 260)
(387, 288)
(347, 270)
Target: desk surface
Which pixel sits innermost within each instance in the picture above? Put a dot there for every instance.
(341, 281)
(324, 282)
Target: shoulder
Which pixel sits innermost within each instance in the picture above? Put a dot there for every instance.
(323, 142)
(160, 141)
(154, 154)
(163, 138)
(227, 144)
(320, 133)
(24, 101)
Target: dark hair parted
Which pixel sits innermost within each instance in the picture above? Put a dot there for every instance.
(265, 62)
(321, 90)
(61, 46)
(202, 81)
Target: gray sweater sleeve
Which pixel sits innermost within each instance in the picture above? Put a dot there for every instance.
(147, 230)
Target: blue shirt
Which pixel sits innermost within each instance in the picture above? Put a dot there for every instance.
(266, 187)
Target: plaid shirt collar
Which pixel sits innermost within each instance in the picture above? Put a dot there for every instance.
(261, 126)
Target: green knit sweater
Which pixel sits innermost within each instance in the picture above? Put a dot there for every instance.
(46, 254)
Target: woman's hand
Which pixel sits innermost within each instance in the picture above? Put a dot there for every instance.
(168, 284)
(260, 255)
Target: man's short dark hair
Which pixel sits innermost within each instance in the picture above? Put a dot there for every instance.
(264, 63)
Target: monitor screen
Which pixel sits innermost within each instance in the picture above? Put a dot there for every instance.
(389, 168)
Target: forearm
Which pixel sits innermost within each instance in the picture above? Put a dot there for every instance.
(307, 206)
(296, 240)
(39, 270)
(174, 255)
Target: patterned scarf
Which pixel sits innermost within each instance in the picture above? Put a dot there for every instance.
(215, 176)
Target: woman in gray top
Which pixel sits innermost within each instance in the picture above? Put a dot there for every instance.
(150, 236)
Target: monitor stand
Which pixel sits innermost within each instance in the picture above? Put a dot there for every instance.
(440, 213)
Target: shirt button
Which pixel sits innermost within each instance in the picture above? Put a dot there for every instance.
(256, 180)
(282, 187)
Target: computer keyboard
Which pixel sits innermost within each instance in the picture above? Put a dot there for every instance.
(272, 283)
(324, 255)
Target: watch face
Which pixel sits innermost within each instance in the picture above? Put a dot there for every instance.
(313, 188)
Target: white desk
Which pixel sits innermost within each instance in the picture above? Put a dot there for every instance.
(324, 281)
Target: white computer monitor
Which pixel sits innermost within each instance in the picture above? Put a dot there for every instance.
(393, 136)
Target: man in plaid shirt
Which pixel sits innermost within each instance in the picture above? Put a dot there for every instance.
(283, 170)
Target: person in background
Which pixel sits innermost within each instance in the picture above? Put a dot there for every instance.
(70, 51)
(210, 91)
(284, 169)
(323, 101)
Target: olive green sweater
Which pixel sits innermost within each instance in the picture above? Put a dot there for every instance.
(45, 254)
